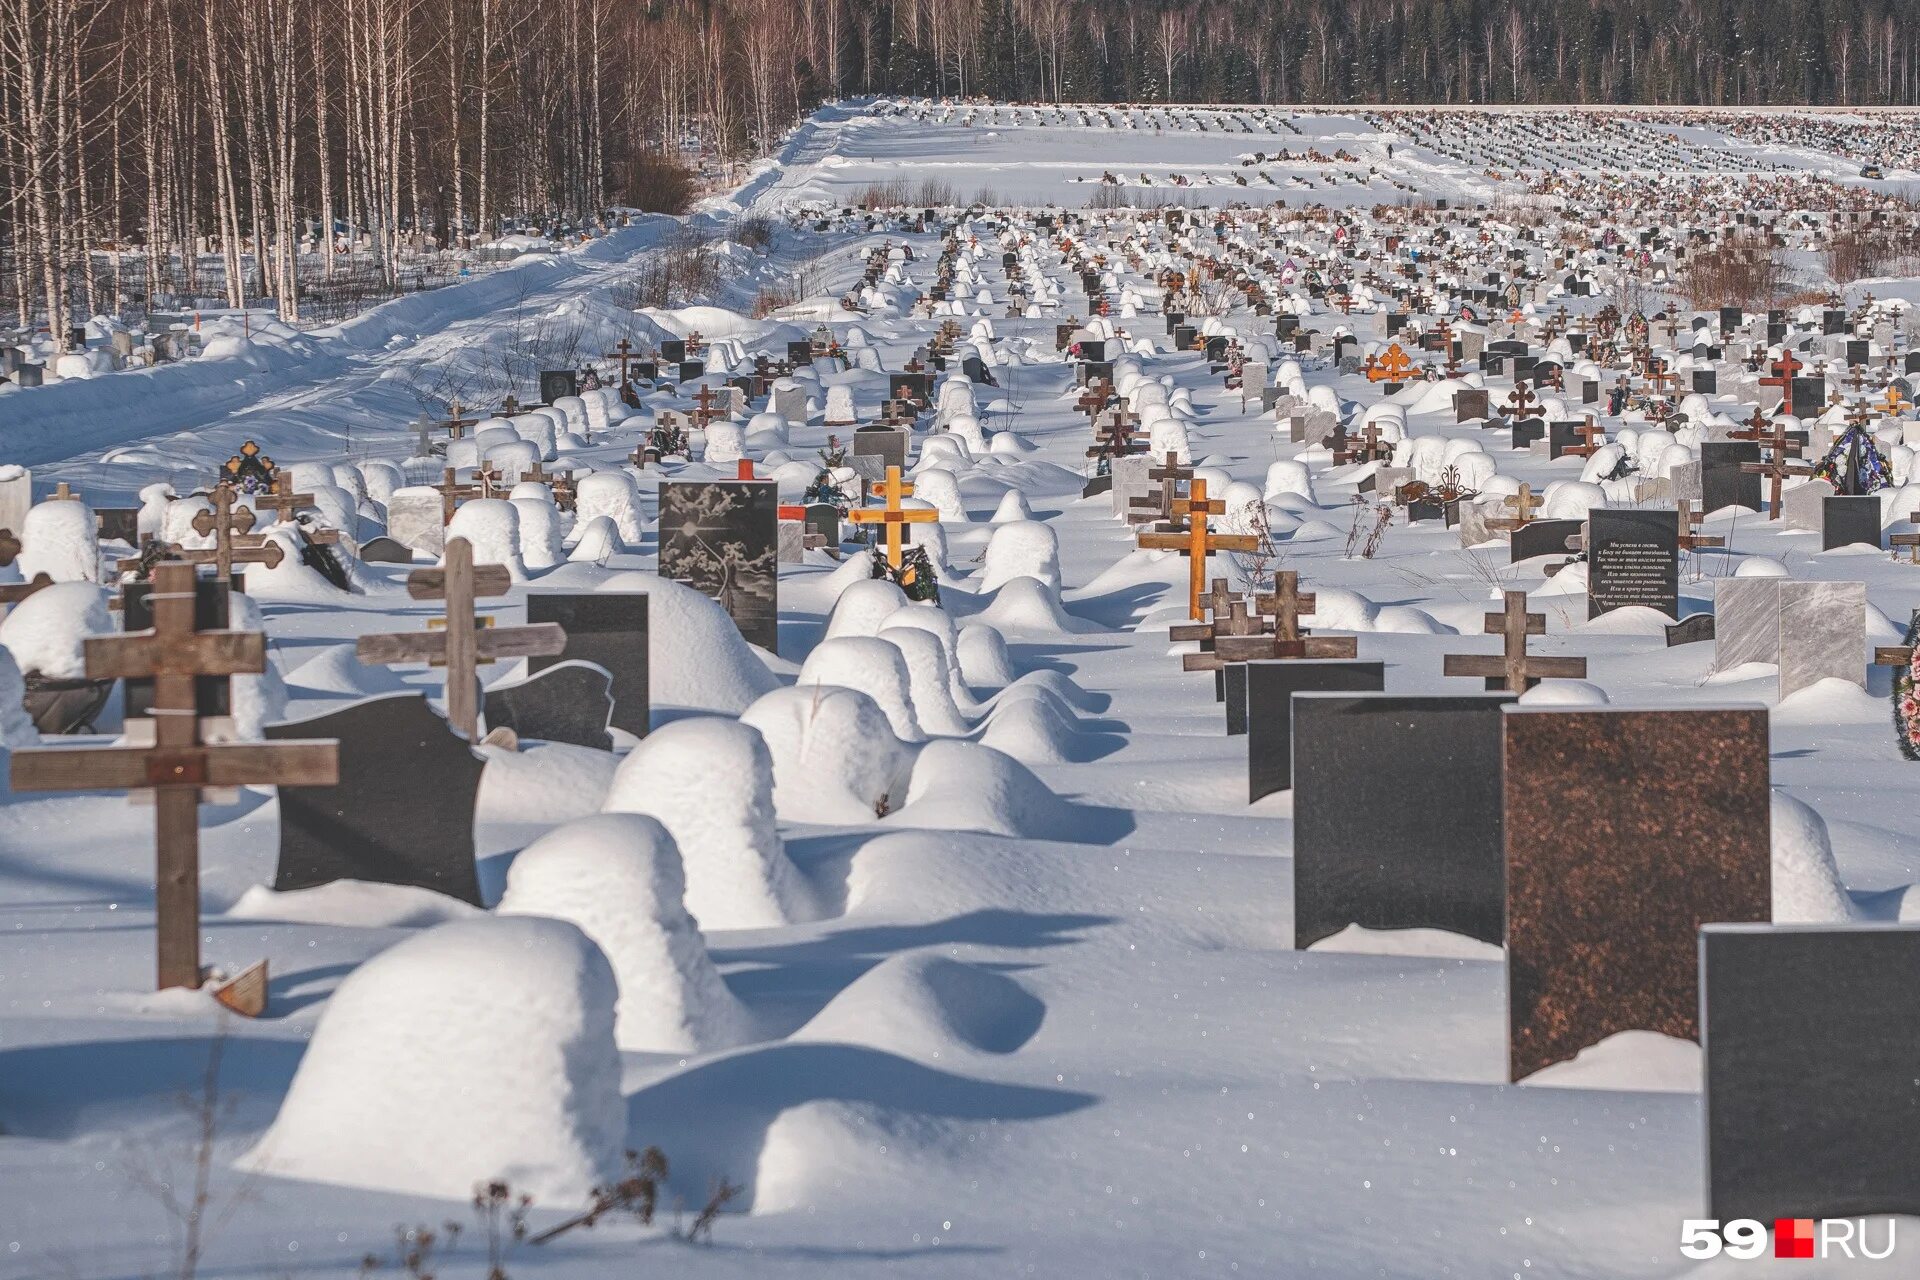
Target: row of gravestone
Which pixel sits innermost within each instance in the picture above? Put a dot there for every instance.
(366, 828)
(1623, 860)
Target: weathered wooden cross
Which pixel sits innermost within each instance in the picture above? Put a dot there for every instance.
(463, 641)
(173, 654)
(1524, 504)
(893, 517)
(1146, 508)
(623, 352)
(1282, 609)
(1514, 668)
(1776, 468)
(1197, 543)
(456, 425)
(706, 411)
(453, 493)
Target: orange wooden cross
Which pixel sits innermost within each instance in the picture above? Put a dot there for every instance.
(893, 517)
(1513, 668)
(463, 642)
(173, 654)
(1197, 543)
(1391, 367)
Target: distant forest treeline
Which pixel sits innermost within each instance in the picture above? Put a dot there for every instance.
(197, 127)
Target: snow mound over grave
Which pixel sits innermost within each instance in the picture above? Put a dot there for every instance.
(871, 666)
(1035, 729)
(542, 783)
(738, 875)
(1806, 881)
(835, 758)
(336, 672)
(697, 658)
(982, 652)
(1565, 693)
(864, 606)
(477, 1050)
(1628, 1061)
(618, 876)
(929, 678)
(929, 1008)
(1021, 548)
(47, 631)
(353, 904)
(1029, 607)
(57, 538)
(962, 786)
(1437, 944)
(1337, 609)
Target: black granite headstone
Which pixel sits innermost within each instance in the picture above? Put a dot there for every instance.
(1633, 558)
(1527, 430)
(212, 695)
(823, 518)
(1810, 1034)
(385, 550)
(799, 353)
(692, 370)
(722, 538)
(1849, 520)
(1562, 436)
(1542, 538)
(1913, 362)
(1097, 485)
(1397, 814)
(673, 351)
(1706, 381)
(1832, 322)
(608, 629)
(119, 524)
(1722, 483)
(1730, 318)
(1857, 351)
(555, 383)
(1270, 689)
(569, 702)
(402, 812)
(1690, 630)
(1808, 398)
(1233, 692)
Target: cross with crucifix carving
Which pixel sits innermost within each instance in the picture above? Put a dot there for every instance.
(1514, 670)
(1149, 507)
(893, 517)
(463, 641)
(174, 655)
(1197, 542)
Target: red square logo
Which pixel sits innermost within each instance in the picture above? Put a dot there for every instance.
(1793, 1237)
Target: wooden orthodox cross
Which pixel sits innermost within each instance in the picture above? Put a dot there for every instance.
(1514, 668)
(1197, 543)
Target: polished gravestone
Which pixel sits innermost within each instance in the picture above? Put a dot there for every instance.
(1626, 830)
(889, 444)
(1396, 814)
(722, 538)
(1633, 558)
(1823, 629)
(1232, 691)
(1469, 405)
(385, 550)
(212, 695)
(569, 702)
(1812, 1100)
(1722, 482)
(608, 629)
(1271, 685)
(1850, 520)
(1542, 538)
(555, 383)
(402, 812)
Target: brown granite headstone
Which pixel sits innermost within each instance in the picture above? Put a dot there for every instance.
(1626, 830)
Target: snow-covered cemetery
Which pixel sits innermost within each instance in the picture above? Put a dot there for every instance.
(1021, 690)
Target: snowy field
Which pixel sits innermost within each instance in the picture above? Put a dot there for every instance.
(1044, 1016)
